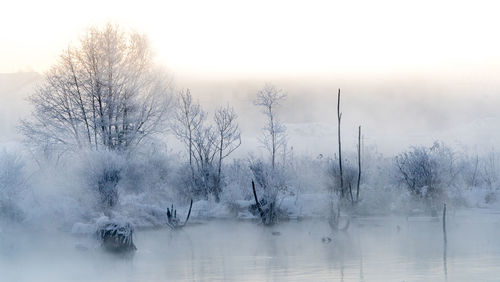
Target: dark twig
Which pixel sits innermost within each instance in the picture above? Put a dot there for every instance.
(172, 220)
(189, 212)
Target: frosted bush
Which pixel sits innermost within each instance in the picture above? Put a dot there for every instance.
(427, 172)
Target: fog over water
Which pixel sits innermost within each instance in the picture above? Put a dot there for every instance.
(111, 170)
(374, 249)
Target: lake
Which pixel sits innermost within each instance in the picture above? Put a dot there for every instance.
(388, 248)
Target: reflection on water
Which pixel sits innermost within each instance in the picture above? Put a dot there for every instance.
(373, 249)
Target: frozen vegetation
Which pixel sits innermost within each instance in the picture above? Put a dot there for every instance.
(79, 189)
(94, 148)
(94, 163)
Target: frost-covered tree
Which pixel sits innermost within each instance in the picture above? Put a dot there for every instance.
(103, 93)
(189, 118)
(269, 98)
(228, 134)
(206, 145)
(205, 154)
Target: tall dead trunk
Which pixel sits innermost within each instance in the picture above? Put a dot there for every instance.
(359, 162)
(444, 224)
(339, 116)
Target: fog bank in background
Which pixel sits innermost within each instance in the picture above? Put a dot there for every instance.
(395, 111)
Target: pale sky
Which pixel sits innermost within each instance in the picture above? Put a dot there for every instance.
(208, 38)
(408, 68)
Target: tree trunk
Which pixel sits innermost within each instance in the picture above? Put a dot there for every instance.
(359, 162)
(339, 116)
(444, 224)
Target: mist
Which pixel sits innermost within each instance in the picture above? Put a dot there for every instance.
(307, 149)
(396, 111)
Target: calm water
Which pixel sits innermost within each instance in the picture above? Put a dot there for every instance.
(373, 249)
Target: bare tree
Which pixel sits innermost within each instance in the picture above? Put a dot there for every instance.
(207, 145)
(205, 155)
(274, 137)
(229, 136)
(189, 119)
(104, 92)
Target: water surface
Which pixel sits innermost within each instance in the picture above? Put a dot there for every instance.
(373, 249)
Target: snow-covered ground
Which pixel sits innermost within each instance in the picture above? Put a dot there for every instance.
(304, 206)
